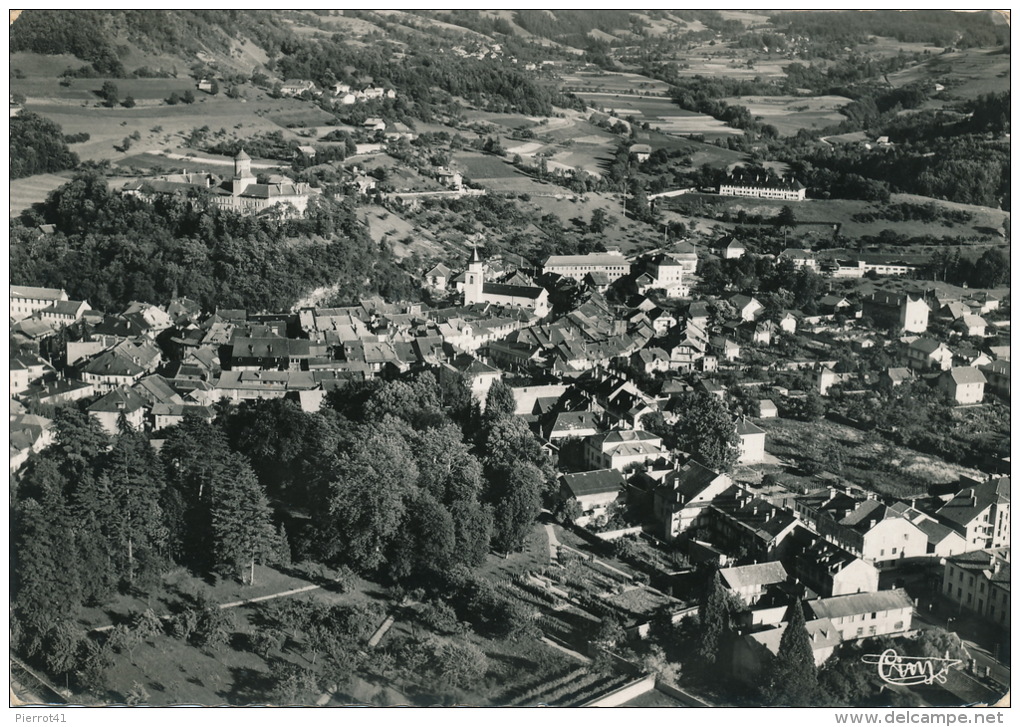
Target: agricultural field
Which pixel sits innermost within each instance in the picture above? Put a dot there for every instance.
(660, 113)
(790, 114)
(985, 226)
(965, 75)
(631, 84)
(28, 191)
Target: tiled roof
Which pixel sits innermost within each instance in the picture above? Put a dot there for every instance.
(593, 483)
(856, 603)
(759, 574)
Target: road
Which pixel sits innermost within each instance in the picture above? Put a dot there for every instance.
(999, 671)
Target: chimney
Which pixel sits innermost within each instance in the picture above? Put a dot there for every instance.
(872, 524)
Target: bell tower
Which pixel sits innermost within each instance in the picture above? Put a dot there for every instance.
(242, 172)
(474, 279)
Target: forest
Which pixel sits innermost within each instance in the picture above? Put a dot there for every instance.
(941, 28)
(111, 249)
(402, 481)
(38, 146)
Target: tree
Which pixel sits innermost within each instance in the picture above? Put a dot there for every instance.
(173, 99)
(792, 678)
(991, 270)
(188, 96)
(517, 503)
(786, 217)
(109, 94)
(705, 429)
(129, 102)
(599, 221)
(712, 619)
(499, 402)
(242, 523)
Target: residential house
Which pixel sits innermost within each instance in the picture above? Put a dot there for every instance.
(438, 277)
(121, 401)
(751, 442)
(963, 384)
(756, 651)
(621, 449)
(943, 541)
(861, 615)
(27, 433)
(111, 370)
(831, 570)
(899, 310)
(571, 424)
(641, 151)
(667, 272)
(980, 512)
(997, 377)
(26, 370)
(724, 348)
(748, 307)
(971, 325)
(927, 354)
(731, 248)
(800, 258)
(751, 581)
(594, 491)
(979, 582)
(687, 255)
(740, 523)
(167, 415)
(64, 312)
(681, 495)
(767, 409)
(295, 87)
(893, 377)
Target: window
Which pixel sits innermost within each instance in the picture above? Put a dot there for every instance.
(894, 551)
(874, 615)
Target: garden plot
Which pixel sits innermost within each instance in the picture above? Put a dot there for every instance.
(790, 114)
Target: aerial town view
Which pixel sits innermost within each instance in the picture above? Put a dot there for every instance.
(506, 358)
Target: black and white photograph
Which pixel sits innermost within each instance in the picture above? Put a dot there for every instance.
(509, 358)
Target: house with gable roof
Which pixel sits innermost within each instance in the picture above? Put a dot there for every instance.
(751, 581)
(751, 442)
(980, 512)
(927, 354)
(979, 581)
(681, 495)
(594, 491)
(861, 615)
(757, 650)
(963, 384)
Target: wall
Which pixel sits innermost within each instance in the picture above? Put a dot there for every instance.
(625, 693)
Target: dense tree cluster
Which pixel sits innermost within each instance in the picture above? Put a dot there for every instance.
(38, 146)
(110, 249)
(938, 27)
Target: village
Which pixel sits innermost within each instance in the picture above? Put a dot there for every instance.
(493, 358)
(600, 385)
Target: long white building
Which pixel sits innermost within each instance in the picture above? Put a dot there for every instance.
(613, 264)
(763, 187)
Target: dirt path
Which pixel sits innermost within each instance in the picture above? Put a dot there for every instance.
(235, 604)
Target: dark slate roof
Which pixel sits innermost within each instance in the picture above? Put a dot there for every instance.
(593, 483)
(856, 603)
(759, 574)
(972, 501)
(120, 399)
(512, 291)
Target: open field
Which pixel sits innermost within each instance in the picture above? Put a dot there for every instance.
(965, 74)
(790, 114)
(709, 63)
(659, 113)
(479, 167)
(28, 191)
(86, 89)
(985, 225)
(632, 84)
(875, 465)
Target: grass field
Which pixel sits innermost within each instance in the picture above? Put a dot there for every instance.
(28, 191)
(659, 113)
(985, 225)
(875, 465)
(790, 114)
(965, 74)
(480, 167)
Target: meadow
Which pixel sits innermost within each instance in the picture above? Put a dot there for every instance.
(790, 114)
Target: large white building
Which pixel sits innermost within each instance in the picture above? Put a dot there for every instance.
(26, 300)
(763, 187)
(613, 264)
(242, 193)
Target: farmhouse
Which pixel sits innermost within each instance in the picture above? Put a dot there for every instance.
(763, 186)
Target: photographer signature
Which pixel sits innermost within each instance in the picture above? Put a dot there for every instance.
(908, 670)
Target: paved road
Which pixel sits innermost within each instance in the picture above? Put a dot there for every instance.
(999, 671)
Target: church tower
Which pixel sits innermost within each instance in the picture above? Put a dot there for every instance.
(242, 172)
(474, 279)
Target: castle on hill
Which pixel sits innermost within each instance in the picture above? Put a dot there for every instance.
(242, 193)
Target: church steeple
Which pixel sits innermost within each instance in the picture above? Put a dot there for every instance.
(474, 278)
